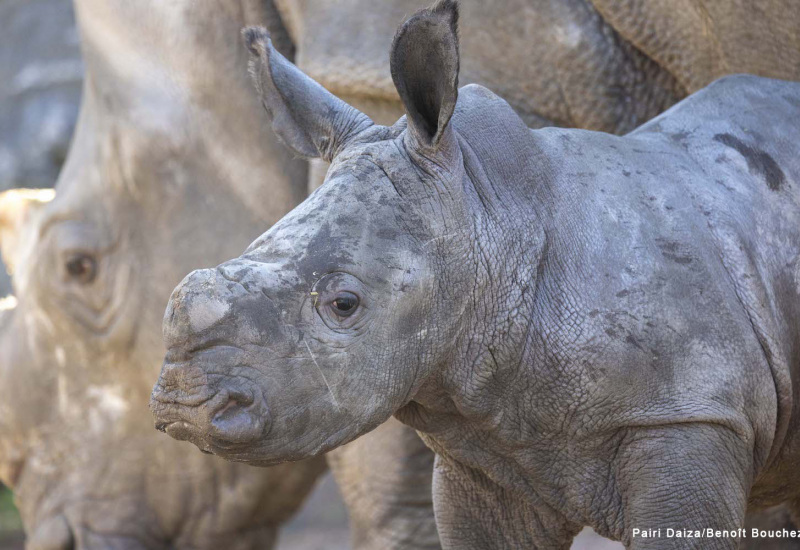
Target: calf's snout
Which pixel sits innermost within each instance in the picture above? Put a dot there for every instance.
(206, 408)
(189, 404)
(199, 396)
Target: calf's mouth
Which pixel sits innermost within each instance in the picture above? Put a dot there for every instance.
(214, 412)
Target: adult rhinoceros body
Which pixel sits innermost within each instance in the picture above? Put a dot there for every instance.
(598, 64)
(603, 65)
(588, 329)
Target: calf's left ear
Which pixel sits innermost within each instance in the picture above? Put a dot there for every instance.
(309, 119)
(16, 207)
(424, 62)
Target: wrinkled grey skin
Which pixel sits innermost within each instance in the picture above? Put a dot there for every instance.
(160, 160)
(598, 64)
(605, 65)
(588, 329)
(554, 62)
(385, 481)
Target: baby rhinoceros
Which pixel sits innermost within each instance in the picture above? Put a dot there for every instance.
(588, 329)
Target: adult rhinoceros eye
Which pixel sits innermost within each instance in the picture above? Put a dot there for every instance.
(344, 304)
(81, 268)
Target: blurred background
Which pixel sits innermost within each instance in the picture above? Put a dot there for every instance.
(10, 525)
(40, 86)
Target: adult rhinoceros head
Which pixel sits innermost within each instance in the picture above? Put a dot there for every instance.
(334, 318)
(150, 171)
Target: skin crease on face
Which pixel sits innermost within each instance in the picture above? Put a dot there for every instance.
(588, 329)
(157, 162)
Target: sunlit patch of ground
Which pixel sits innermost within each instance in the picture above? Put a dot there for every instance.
(589, 540)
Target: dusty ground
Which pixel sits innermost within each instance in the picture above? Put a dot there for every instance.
(321, 525)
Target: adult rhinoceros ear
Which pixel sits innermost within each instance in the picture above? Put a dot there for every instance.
(307, 117)
(16, 206)
(424, 63)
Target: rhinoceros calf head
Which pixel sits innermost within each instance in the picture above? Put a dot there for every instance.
(331, 320)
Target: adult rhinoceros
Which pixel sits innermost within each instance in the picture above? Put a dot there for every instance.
(605, 65)
(167, 145)
(599, 64)
(588, 329)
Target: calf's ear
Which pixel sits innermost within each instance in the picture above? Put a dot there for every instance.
(306, 117)
(16, 207)
(424, 63)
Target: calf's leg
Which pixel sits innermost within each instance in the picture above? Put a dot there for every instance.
(689, 476)
(474, 513)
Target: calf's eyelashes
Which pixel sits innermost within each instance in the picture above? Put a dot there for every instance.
(339, 299)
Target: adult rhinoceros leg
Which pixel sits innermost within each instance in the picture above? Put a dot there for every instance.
(385, 480)
(474, 513)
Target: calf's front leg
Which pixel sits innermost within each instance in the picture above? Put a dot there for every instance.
(474, 513)
(688, 477)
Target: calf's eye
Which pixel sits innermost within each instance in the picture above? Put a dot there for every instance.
(81, 268)
(344, 304)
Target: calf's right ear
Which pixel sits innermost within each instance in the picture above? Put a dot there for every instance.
(16, 207)
(309, 119)
(425, 62)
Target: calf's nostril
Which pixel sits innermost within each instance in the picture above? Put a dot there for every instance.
(232, 404)
(242, 419)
